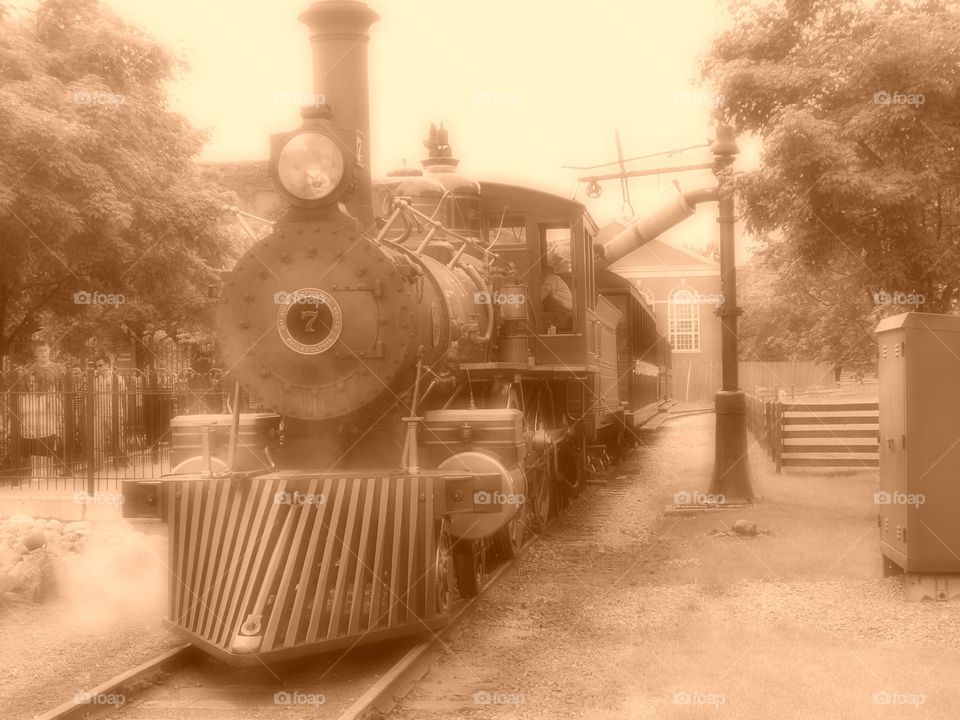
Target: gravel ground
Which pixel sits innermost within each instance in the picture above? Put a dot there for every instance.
(621, 611)
(544, 642)
(99, 617)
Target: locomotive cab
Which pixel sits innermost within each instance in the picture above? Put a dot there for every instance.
(533, 230)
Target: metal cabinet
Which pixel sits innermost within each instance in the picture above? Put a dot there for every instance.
(919, 497)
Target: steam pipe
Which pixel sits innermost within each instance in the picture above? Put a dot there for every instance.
(234, 428)
(388, 225)
(338, 36)
(475, 276)
(679, 208)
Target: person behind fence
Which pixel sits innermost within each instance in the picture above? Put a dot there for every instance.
(41, 408)
(109, 416)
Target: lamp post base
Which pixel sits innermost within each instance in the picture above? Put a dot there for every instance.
(731, 471)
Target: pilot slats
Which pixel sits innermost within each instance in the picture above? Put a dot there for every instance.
(301, 561)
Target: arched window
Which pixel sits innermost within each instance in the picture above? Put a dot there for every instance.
(684, 315)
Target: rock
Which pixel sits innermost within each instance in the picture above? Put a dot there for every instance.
(745, 527)
(34, 577)
(81, 527)
(6, 582)
(20, 548)
(54, 526)
(34, 540)
(9, 556)
(20, 522)
(70, 537)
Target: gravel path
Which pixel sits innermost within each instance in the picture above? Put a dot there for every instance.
(621, 611)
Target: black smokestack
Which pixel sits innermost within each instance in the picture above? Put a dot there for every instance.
(338, 36)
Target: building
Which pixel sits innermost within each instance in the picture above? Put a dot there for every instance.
(682, 285)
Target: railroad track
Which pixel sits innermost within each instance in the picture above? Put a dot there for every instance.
(383, 696)
(121, 686)
(122, 694)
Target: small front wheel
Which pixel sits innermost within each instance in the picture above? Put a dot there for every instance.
(468, 563)
(509, 538)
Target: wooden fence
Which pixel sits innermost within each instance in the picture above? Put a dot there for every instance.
(834, 435)
(699, 380)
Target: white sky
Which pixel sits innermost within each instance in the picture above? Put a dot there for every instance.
(524, 86)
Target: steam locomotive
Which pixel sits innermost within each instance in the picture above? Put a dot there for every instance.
(427, 410)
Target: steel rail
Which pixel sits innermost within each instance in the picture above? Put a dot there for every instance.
(121, 685)
(384, 695)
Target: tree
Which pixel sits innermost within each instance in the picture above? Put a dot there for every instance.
(858, 193)
(792, 315)
(100, 199)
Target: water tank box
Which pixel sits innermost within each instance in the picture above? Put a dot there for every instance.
(499, 431)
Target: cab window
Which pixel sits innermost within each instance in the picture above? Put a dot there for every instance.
(506, 231)
(556, 275)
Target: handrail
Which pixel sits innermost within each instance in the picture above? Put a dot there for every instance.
(403, 206)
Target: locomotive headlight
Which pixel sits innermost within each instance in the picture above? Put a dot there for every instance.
(314, 166)
(311, 166)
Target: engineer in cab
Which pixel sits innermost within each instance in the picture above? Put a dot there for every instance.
(555, 295)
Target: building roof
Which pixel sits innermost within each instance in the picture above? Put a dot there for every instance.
(659, 258)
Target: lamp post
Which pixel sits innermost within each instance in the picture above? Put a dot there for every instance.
(731, 473)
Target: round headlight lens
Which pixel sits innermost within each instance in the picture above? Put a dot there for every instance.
(310, 166)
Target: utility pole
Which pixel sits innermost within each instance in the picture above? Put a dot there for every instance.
(730, 483)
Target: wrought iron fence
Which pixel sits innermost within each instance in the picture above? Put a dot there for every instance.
(87, 431)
